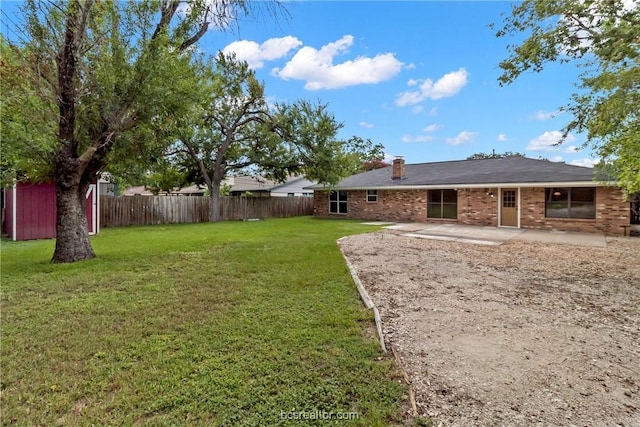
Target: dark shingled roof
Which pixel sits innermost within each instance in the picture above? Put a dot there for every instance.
(509, 170)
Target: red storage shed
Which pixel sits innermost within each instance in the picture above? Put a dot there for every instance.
(30, 211)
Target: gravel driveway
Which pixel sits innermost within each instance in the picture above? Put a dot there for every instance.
(520, 334)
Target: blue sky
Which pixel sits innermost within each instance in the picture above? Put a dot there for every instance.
(419, 77)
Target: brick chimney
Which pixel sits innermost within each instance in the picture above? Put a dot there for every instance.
(398, 169)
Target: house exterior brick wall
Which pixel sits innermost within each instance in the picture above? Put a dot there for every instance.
(612, 211)
(321, 204)
(480, 206)
(476, 207)
(396, 205)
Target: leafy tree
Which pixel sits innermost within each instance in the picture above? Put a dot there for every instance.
(165, 177)
(220, 135)
(312, 149)
(372, 164)
(603, 38)
(236, 130)
(101, 79)
(27, 121)
(494, 155)
(225, 190)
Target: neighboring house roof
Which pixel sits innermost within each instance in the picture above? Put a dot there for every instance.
(191, 190)
(141, 190)
(250, 183)
(294, 184)
(241, 184)
(473, 173)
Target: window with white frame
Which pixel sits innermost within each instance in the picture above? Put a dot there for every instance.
(372, 196)
(338, 202)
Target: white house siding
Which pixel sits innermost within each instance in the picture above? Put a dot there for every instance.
(295, 186)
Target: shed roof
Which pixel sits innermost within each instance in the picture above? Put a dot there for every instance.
(474, 173)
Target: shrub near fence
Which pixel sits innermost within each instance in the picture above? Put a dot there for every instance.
(148, 210)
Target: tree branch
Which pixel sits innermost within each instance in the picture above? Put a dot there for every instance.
(167, 12)
(66, 63)
(179, 151)
(248, 120)
(577, 20)
(223, 126)
(87, 155)
(237, 166)
(102, 144)
(199, 162)
(197, 36)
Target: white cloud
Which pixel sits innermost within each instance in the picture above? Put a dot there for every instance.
(417, 109)
(366, 125)
(255, 54)
(419, 138)
(433, 111)
(544, 115)
(502, 137)
(548, 140)
(572, 149)
(317, 67)
(589, 163)
(432, 128)
(462, 137)
(448, 85)
(388, 158)
(556, 159)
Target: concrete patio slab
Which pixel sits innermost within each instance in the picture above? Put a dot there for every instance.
(467, 233)
(495, 235)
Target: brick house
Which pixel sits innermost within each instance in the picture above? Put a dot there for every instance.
(508, 192)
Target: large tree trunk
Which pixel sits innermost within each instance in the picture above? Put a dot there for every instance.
(72, 233)
(214, 202)
(214, 186)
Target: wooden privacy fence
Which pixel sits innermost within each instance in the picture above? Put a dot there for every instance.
(148, 210)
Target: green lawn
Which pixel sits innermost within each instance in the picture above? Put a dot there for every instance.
(235, 323)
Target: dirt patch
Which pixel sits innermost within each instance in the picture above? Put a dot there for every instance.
(519, 334)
